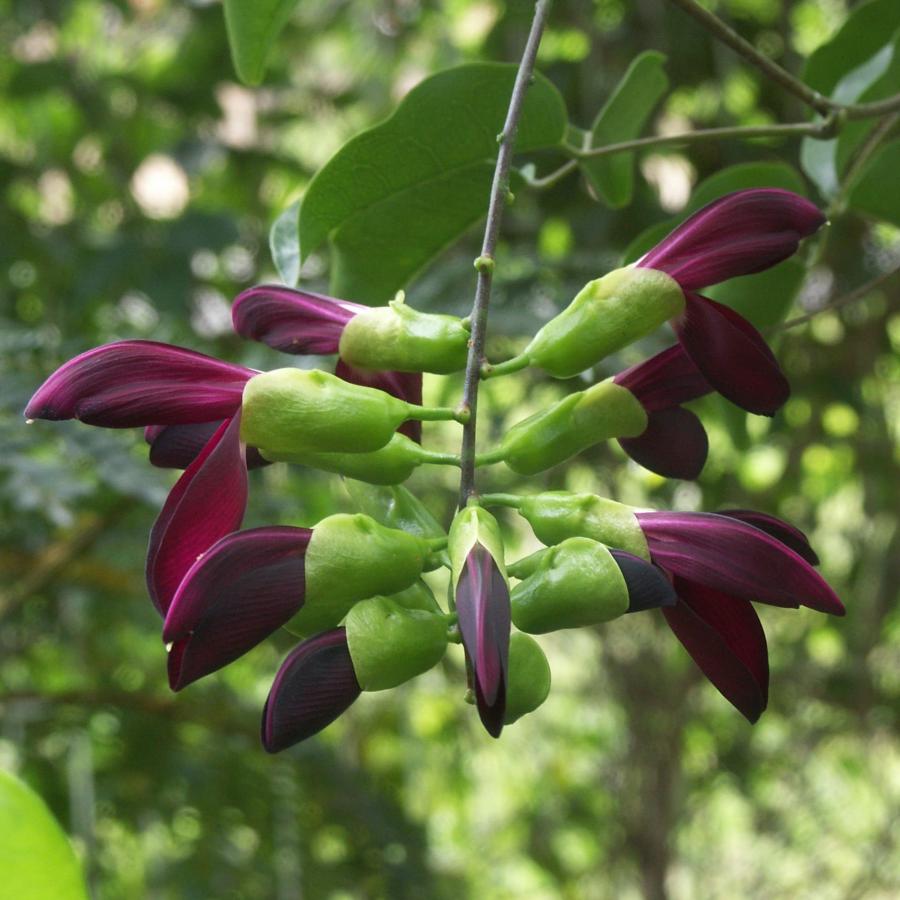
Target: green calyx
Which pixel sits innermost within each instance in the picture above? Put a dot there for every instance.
(575, 584)
(389, 643)
(603, 411)
(349, 558)
(287, 410)
(606, 315)
(391, 464)
(529, 677)
(398, 337)
(474, 525)
(557, 515)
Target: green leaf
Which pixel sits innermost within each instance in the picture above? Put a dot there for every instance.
(866, 31)
(36, 858)
(734, 178)
(874, 79)
(253, 27)
(877, 193)
(622, 119)
(399, 193)
(285, 245)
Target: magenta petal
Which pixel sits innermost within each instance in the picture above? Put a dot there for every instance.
(133, 383)
(405, 385)
(724, 636)
(737, 558)
(784, 532)
(243, 588)
(177, 446)
(732, 355)
(674, 444)
(738, 234)
(668, 379)
(314, 685)
(290, 320)
(482, 604)
(206, 503)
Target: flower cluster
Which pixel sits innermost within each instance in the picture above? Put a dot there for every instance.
(351, 586)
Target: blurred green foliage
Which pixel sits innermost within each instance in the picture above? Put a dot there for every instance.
(139, 184)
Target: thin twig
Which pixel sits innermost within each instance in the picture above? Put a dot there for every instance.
(843, 300)
(744, 48)
(746, 132)
(485, 262)
(551, 178)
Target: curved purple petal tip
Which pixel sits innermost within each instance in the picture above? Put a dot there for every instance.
(290, 320)
(247, 585)
(648, 587)
(315, 684)
(674, 444)
(738, 234)
(134, 383)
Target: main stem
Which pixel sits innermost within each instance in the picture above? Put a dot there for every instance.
(485, 263)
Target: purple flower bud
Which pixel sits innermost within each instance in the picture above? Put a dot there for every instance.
(292, 321)
(132, 383)
(315, 684)
(245, 587)
(206, 503)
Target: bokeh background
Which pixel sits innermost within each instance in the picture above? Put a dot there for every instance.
(139, 182)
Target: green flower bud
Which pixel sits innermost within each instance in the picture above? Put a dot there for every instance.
(390, 644)
(391, 464)
(529, 677)
(607, 314)
(575, 423)
(397, 337)
(349, 558)
(557, 515)
(576, 583)
(474, 525)
(290, 409)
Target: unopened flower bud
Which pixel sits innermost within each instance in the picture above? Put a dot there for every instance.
(608, 314)
(390, 644)
(576, 422)
(399, 338)
(349, 558)
(576, 583)
(529, 677)
(557, 515)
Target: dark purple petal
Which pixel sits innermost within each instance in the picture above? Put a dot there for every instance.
(737, 558)
(668, 379)
(292, 321)
(133, 383)
(738, 234)
(482, 604)
(207, 502)
(732, 355)
(724, 636)
(784, 532)
(243, 588)
(405, 385)
(674, 444)
(648, 587)
(177, 446)
(314, 685)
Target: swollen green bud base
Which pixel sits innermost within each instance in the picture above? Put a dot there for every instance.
(575, 584)
(606, 315)
(397, 337)
(575, 423)
(349, 558)
(529, 677)
(390, 644)
(557, 515)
